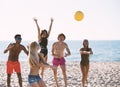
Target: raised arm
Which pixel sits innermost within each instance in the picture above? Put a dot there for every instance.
(50, 27)
(38, 28)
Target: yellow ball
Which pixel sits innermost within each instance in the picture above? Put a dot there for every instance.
(79, 15)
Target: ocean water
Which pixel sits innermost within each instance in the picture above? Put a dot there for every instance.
(103, 50)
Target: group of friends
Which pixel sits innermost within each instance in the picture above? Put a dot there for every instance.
(38, 60)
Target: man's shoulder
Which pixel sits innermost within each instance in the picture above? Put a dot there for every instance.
(12, 44)
(82, 49)
(22, 45)
(64, 43)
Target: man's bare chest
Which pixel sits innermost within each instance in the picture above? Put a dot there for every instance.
(59, 47)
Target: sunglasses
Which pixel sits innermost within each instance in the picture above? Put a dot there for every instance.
(19, 38)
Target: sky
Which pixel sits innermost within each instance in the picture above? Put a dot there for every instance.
(101, 19)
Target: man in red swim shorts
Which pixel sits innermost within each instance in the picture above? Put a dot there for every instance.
(13, 63)
(58, 49)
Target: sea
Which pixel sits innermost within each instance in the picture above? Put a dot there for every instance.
(103, 50)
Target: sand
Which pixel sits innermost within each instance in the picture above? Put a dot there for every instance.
(101, 74)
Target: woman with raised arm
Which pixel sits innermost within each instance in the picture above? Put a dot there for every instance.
(43, 41)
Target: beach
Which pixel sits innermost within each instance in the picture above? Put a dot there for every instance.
(101, 74)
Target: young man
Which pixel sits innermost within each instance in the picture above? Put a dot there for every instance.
(58, 49)
(13, 59)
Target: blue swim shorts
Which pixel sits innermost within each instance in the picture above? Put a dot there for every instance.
(33, 78)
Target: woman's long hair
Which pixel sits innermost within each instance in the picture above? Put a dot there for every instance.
(85, 40)
(33, 52)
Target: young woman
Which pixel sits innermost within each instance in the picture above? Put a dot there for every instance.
(84, 64)
(43, 41)
(35, 62)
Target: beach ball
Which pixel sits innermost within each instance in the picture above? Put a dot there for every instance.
(78, 15)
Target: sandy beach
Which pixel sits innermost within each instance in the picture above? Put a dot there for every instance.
(101, 74)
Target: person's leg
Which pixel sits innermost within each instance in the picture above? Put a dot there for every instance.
(83, 70)
(41, 83)
(63, 67)
(55, 63)
(42, 68)
(18, 71)
(19, 79)
(34, 85)
(55, 75)
(9, 70)
(87, 70)
(8, 80)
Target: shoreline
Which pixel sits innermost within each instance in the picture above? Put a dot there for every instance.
(101, 74)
